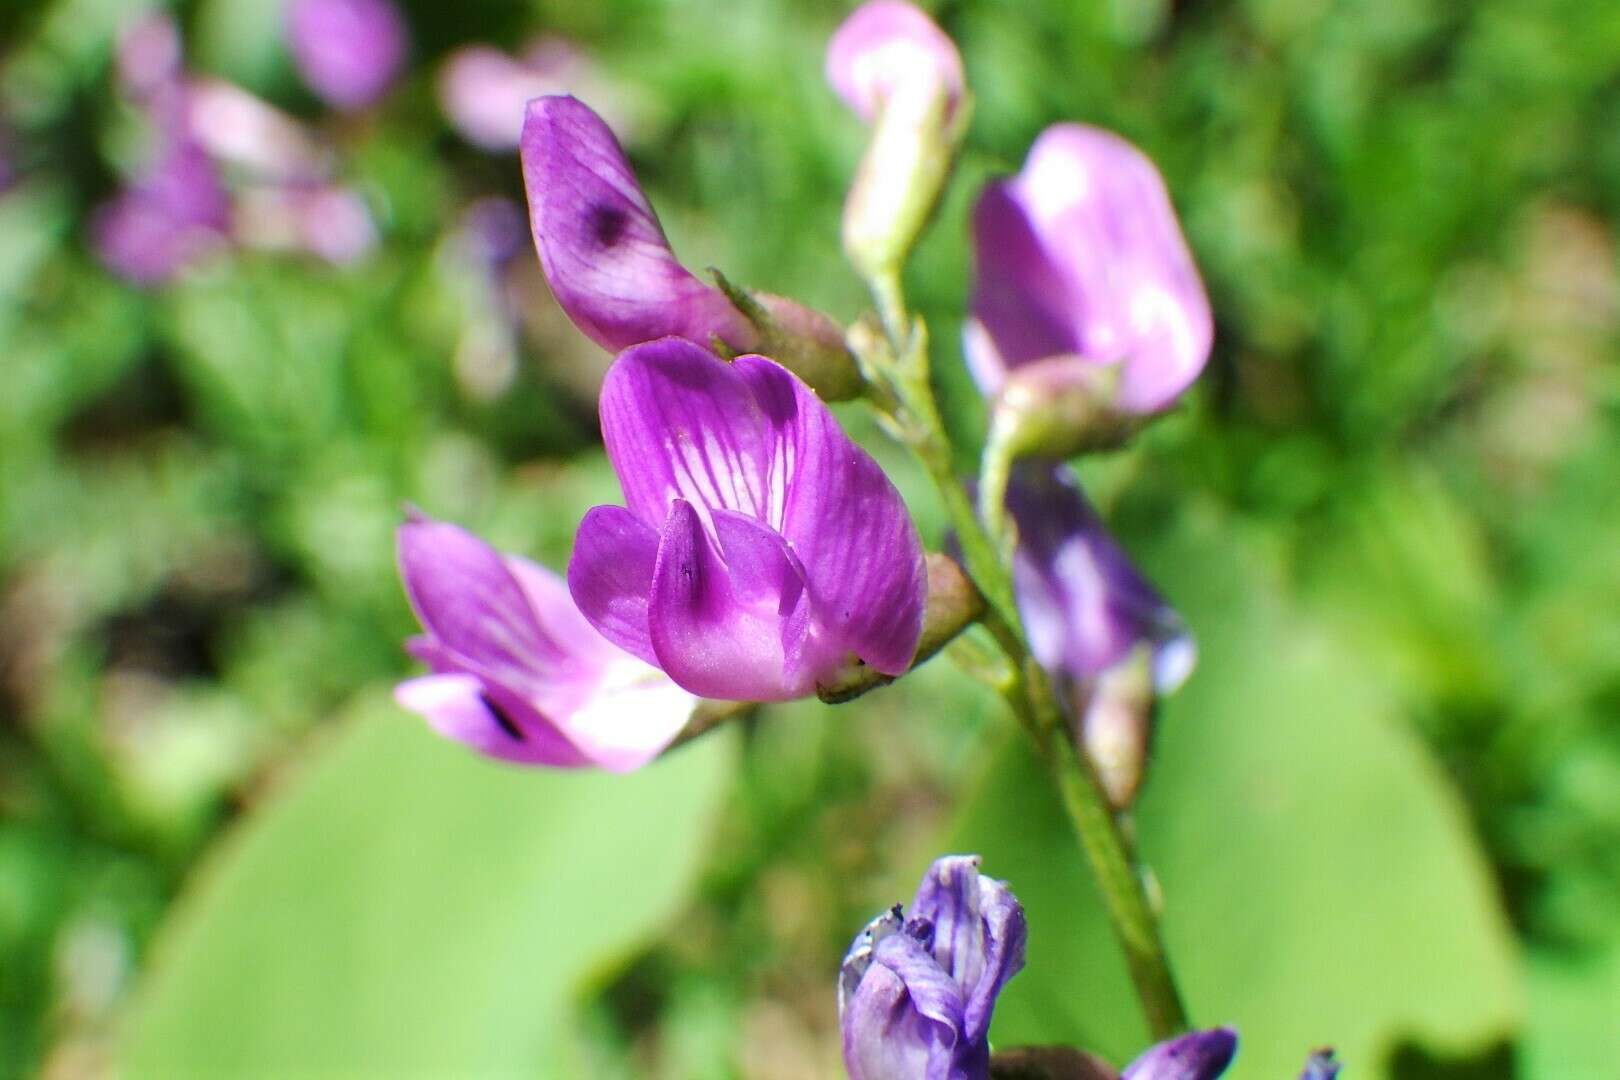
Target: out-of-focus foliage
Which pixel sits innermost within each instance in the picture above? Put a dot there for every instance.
(1405, 212)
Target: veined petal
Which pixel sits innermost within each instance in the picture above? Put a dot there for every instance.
(600, 244)
(883, 44)
(610, 576)
(680, 423)
(1201, 1055)
(721, 638)
(467, 598)
(459, 707)
(1085, 605)
(845, 520)
(904, 1017)
(979, 934)
(1102, 213)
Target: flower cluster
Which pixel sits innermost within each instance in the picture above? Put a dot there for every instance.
(225, 167)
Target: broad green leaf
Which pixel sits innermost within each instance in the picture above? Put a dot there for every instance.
(403, 908)
(1574, 1003)
(1322, 884)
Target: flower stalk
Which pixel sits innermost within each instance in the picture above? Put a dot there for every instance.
(896, 363)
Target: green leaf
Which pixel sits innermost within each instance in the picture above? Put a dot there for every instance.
(1574, 1001)
(405, 908)
(1322, 884)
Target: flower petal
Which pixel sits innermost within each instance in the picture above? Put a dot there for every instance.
(348, 51)
(979, 934)
(1084, 604)
(465, 595)
(631, 715)
(600, 244)
(680, 423)
(458, 707)
(1106, 220)
(903, 1018)
(610, 576)
(883, 44)
(1023, 306)
(1201, 1055)
(845, 520)
(719, 638)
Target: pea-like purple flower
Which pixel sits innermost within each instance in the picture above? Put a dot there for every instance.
(887, 45)
(1198, 1055)
(1080, 257)
(518, 674)
(760, 550)
(348, 51)
(916, 990)
(612, 271)
(1108, 637)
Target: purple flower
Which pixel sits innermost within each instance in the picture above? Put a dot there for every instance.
(485, 92)
(1200, 1055)
(915, 994)
(171, 216)
(348, 51)
(1080, 256)
(612, 271)
(330, 222)
(517, 673)
(887, 44)
(759, 549)
(1107, 636)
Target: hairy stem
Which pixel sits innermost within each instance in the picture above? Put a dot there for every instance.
(909, 395)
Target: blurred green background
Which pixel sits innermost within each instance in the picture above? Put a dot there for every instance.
(1385, 813)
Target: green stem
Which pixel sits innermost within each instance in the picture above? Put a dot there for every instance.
(1030, 693)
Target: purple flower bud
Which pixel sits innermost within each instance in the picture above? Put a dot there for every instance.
(600, 244)
(174, 214)
(1080, 255)
(887, 44)
(517, 673)
(759, 548)
(1109, 639)
(1321, 1066)
(348, 51)
(915, 994)
(485, 93)
(1201, 1055)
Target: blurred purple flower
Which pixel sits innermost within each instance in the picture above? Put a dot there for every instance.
(759, 548)
(175, 213)
(884, 45)
(324, 220)
(348, 51)
(484, 91)
(518, 674)
(1080, 256)
(915, 993)
(149, 57)
(252, 135)
(1199, 1055)
(1091, 617)
(1321, 1066)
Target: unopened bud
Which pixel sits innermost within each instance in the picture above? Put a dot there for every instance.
(899, 72)
(1116, 722)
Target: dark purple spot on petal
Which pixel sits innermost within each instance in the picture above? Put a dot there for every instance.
(608, 224)
(501, 717)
